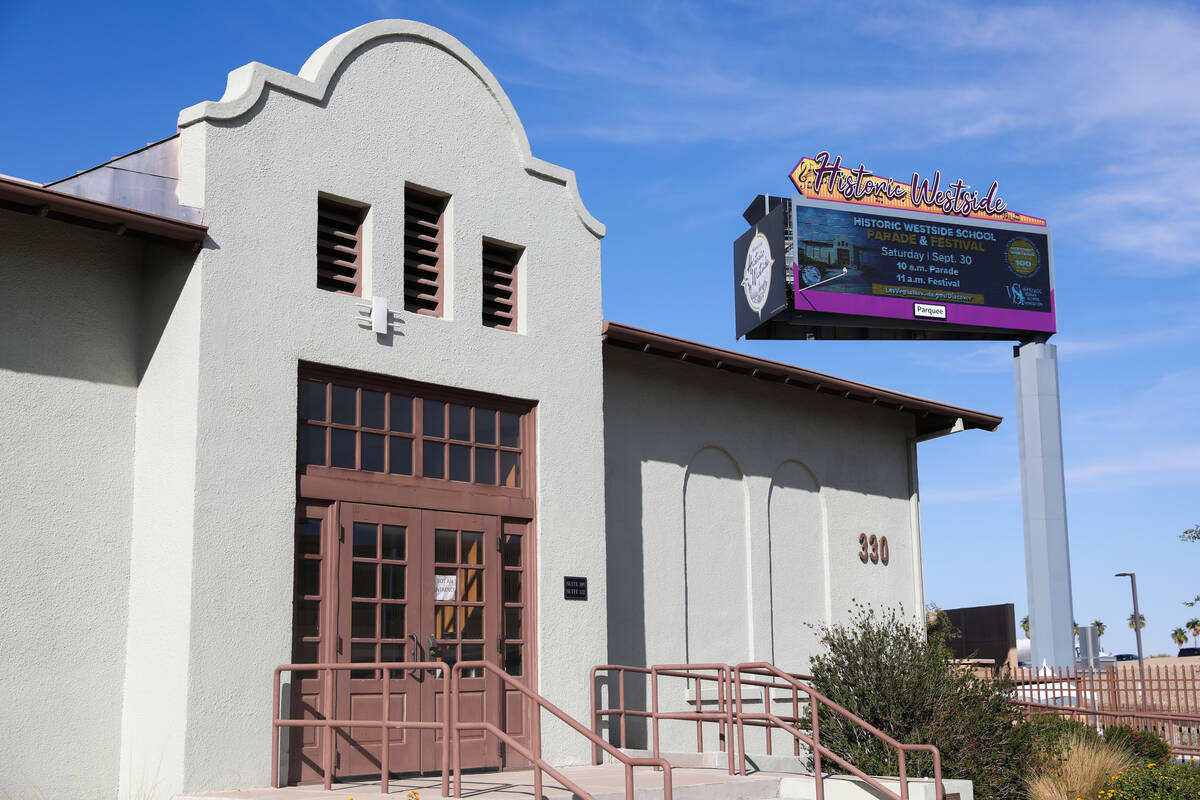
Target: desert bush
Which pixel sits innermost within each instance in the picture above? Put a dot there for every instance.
(886, 670)
(1154, 781)
(1084, 768)
(1050, 737)
(1145, 745)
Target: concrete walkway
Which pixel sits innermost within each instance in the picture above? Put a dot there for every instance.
(604, 782)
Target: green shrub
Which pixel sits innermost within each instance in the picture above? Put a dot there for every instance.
(886, 670)
(1051, 736)
(1154, 781)
(1145, 745)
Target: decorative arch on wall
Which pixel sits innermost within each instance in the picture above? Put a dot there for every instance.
(716, 582)
(247, 84)
(798, 541)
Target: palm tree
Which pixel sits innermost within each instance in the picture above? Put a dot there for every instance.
(1179, 636)
(1141, 622)
(1025, 625)
(1193, 626)
(1100, 629)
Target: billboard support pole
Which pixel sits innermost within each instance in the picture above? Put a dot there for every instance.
(1044, 506)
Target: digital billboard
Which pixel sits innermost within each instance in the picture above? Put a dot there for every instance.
(875, 258)
(897, 266)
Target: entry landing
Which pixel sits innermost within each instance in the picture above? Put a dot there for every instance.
(603, 782)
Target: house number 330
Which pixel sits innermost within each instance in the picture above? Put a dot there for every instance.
(874, 549)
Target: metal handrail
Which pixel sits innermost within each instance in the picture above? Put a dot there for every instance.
(535, 757)
(384, 724)
(816, 700)
(666, 671)
(723, 716)
(622, 711)
(767, 687)
(730, 682)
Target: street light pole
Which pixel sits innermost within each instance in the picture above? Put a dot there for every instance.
(1137, 629)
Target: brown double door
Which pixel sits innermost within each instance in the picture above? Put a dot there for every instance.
(386, 584)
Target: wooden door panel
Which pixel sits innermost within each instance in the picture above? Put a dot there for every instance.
(464, 620)
(515, 722)
(304, 744)
(380, 561)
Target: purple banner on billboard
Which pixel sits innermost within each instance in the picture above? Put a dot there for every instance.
(896, 267)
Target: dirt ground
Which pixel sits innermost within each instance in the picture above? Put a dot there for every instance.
(1157, 662)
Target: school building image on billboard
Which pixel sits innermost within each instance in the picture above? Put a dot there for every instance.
(325, 378)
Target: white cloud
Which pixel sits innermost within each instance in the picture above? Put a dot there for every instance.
(988, 358)
(1045, 68)
(1172, 464)
(1166, 465)
(972, 494)
(1123, 341)
(1106, 84)
(1130, 408)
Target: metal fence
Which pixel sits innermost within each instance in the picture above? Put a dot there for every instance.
(1166, 702)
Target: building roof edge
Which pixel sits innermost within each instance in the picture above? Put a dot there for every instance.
(30, 198)
(931, 416)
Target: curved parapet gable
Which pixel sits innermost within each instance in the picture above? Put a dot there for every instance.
(247, 84)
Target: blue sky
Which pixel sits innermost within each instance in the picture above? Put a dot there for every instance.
(675, 115)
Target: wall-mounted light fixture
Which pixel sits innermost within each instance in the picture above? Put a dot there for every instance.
(376, 315)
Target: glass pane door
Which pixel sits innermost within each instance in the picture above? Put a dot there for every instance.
(463, 619)
(380, 558)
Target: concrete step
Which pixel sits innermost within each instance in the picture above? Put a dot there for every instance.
(848, 787)
(603, 782)
(606, 782)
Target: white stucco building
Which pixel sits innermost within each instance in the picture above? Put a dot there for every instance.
(214, 465)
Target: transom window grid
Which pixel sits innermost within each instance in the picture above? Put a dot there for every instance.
(459, 596)
(512, 599)
(500, 285)
(394, 433)
(339, 246)
(379, 570)
(424, 251)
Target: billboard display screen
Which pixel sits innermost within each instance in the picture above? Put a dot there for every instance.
(959, 272)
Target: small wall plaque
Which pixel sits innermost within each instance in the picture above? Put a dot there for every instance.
(574, 588)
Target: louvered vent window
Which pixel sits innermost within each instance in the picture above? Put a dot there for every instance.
(339, 246)
(500, 286)
(424, 252)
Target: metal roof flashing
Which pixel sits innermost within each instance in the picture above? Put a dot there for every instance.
(933, 419)
(34, 199)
